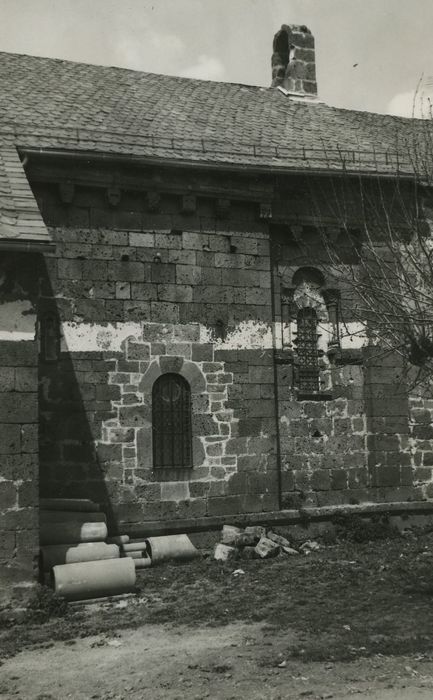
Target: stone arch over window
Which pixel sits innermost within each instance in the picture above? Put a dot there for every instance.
(195, 379)
(171, 422)
(308, 284)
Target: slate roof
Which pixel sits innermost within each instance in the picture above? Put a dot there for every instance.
(54, 104)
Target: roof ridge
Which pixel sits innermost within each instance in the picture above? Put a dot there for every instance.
(134, 71)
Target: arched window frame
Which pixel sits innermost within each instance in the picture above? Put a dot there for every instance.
(171, 424)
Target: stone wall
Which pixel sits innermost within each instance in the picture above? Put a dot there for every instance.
(18, 418)
(147, 283)
(324, 445)
(132, 305)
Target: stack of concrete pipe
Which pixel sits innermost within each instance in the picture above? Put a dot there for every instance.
(81, 563)
(84, 564)
(154, 550)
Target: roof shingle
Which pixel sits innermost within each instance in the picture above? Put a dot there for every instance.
(56, 104)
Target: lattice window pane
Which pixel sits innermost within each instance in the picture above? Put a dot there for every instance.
(308, 357)
(171, 422)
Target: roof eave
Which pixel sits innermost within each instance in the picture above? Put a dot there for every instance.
(264, 168)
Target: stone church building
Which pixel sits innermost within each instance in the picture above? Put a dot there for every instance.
(171, 343)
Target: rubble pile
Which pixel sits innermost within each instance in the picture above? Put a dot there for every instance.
(256, 542)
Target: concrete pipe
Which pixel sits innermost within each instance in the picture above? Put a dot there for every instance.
(76, 504)
(118, 539)
(142, 562)
(68, 533)
(70, 554)
(94, 579)
(67, 516)
(171, 547)
(135, 546)
(139, 554)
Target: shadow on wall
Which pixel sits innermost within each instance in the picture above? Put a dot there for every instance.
(74, 400)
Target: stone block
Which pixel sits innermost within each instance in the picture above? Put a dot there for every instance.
(94, 270)
(302, 480)
(175, 491)
(7, 378)
(406, 476)
(19, 466)
(7, 546)
(217, 488)
(358, 478)
(165, 312)
(163, 273)
(386, 476)
(143, 291)
(123, 290)
(28, 494)
(8, 496)
(279, 539)
(384, 443)
(198, 453)
(137, 310)
(204, 424)
(202, 352)
(10, 439)
(266, 548)
(128, 271)
(223, 552)
(230, 534)
(339, 479)
(248, 553)
(70, 269)
(13, 409)
(29, 437)
(423, 432)
(135, 416)
(226, 505)
(247, 539)
(26, 542)
(320, 480)
(237, 484)
(18, 353)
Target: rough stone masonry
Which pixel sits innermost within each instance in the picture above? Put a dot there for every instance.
(186, 279)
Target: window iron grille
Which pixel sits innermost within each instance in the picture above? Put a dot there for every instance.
(171, 422)
(307, 350)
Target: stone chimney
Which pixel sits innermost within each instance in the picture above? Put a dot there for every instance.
(293, 62)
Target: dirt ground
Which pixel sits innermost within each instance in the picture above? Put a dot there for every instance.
(230, 663)
(350, 619)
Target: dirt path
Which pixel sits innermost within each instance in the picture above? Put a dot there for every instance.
(236, 661)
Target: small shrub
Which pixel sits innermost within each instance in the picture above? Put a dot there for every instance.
(355, 528)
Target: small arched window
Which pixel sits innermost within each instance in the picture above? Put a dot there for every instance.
(171, 422)
(307, 351)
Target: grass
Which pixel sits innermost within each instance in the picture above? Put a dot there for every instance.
(346, 600)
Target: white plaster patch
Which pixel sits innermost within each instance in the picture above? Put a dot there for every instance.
(352, 335)
(17, 320)
(94, 337)
(248, 335)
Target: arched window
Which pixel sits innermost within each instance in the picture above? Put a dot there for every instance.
(307, 351)
(171, 422)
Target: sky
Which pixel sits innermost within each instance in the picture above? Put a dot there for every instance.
(371, 55)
